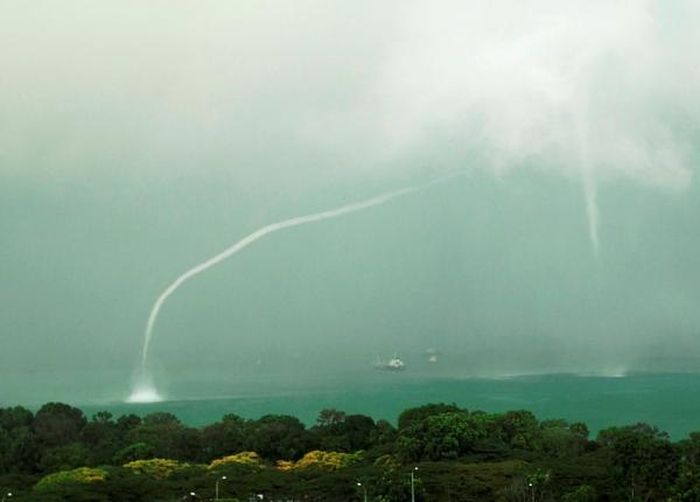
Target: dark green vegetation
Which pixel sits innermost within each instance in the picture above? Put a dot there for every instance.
(58, 454)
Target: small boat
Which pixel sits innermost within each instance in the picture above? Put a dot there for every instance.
(393, 364)
(432, 355)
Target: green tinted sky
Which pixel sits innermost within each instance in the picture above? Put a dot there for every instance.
(139, 139)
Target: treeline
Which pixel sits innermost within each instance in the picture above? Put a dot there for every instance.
(439, 451)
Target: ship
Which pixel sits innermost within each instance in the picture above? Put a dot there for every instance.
(393, 364)
(432, 355)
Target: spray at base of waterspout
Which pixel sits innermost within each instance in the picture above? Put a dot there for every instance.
(144, 391)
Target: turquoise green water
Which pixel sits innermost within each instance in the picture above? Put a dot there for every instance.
(669, 401)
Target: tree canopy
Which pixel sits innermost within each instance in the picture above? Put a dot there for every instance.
(453, 454)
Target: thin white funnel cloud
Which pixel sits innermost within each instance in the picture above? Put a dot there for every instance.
(590, 191)
(144, 387)
(591, 195)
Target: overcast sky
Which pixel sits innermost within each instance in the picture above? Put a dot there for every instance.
(139, 138)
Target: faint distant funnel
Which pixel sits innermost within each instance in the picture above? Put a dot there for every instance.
(144, 390)
(590, 190)
(590, 193)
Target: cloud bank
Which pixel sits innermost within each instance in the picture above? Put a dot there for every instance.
(170, 85)
(524, 82)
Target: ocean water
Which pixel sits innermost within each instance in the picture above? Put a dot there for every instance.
(669, 401)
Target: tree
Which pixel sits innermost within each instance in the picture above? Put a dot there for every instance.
(12, 418)
(224, 438)
(101, 436)
(687, 486)
(245, 458)
(414, 415)
(64, 457)
(24, 451)
(136, 451)
(394, 485)
(18, 446)
(558, 439)
(646, 464)
(329, 417)
(583, 493)
(58, 424)
(324, 460)
(444, 436)
(383, 434)
(166, 437)
(161, 419)
(278, 437)
(77, 484)
(358, 429)
(156, 468)
(125, 423)
(519, 429)
(337, 431)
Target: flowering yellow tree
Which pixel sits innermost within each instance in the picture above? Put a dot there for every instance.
(80, 476)
(318, 459)
(247, 458)
(158, 468)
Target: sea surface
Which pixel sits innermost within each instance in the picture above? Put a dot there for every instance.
(669, 401)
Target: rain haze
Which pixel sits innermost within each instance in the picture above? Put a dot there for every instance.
(554, 226)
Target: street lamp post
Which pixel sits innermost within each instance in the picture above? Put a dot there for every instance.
(364, 490)
(413, 484)
(222, 478)
(532, 491)
(6, 496)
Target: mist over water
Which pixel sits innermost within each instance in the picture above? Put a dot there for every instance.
(569, 245)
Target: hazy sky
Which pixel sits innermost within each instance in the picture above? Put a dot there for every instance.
(139, 138)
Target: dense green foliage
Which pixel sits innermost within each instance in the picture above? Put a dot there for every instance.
(57, 454)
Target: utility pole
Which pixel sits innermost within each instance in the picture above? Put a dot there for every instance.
(364, 489)
(222, 478)
(413, 485)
